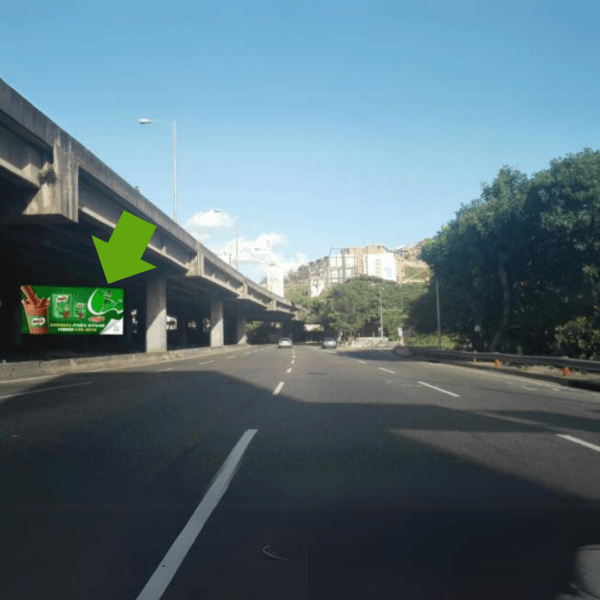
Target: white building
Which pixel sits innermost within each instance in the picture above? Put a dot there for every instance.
(343, 264)
(382, 265)
(275, 279)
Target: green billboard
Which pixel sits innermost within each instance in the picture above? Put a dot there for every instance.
(52, 310)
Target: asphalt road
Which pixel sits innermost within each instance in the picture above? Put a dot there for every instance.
(365, 475)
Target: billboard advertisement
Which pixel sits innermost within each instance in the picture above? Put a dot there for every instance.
(52, 310)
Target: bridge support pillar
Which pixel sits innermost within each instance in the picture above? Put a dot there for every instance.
(241, 329)
(217, 337)
(156, 313)
(182, 330)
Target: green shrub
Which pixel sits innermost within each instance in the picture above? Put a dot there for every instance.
(428, 340)
(578, 338)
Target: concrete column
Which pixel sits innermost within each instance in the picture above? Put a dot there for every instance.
(182, 330)
(241, 329)
(217, 337)
(156, 313)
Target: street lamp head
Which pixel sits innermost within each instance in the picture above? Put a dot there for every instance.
(144, 121)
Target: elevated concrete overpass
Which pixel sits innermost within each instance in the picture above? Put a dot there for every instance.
(55, 195)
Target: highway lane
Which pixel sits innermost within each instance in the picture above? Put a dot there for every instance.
(366, 478)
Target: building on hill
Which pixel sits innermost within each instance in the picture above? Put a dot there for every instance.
(401, 265)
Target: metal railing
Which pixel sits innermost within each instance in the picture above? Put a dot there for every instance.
(549, 361)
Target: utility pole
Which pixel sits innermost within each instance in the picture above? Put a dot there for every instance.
(381, 312)
(437, 293)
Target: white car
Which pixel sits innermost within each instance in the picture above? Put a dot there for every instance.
(329, 342)
(285, 343)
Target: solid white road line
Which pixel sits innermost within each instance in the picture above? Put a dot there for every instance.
(28, 379)
(207, 362)
(111, 368)
(56, 387)
(289, 370)
(278, 388)
(163, 370)
(387, 370)
(438, 389)
(578, 441)
(160, 579)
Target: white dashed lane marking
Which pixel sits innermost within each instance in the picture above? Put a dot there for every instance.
(439, 389)
(278, 388)
(578, 441)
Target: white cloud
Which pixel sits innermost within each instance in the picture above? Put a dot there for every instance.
(293, 263)
(260, 252)
(202, 225)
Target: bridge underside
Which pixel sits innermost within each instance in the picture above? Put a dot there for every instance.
(46, 250)
(54, 196)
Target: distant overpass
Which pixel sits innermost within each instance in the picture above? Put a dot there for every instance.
(55, 194)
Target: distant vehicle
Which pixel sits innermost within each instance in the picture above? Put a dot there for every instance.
(285, 343)
(329, 342)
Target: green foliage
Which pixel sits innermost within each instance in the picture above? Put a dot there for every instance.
(297, 286)
(520, 259)
(449, 342)
(298, 296)
(256, 331)
(579, 338)
(411, 272)
(348, 308)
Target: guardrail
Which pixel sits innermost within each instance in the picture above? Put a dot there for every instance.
(549, 361)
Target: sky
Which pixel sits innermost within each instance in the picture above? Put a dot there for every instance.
(311, 125)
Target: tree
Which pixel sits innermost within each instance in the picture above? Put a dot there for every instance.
(523, 257)
(348, 307)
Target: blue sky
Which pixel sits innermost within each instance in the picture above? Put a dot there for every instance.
(316, 124)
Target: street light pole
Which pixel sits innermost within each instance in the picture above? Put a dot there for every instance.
(174, 135)
(175, 170)
(237, 236)
(437, 293)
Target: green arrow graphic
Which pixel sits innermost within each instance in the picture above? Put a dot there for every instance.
(121, 256)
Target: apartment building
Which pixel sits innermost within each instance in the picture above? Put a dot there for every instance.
(374, 260)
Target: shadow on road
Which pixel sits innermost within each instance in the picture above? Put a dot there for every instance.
(98, 480)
